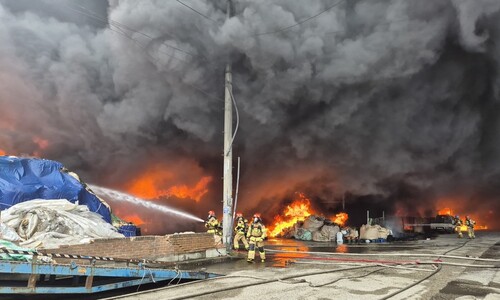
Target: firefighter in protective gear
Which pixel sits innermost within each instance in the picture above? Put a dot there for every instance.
(212, 224)
(240, 232)
(256, 233)
(470, 227)
(458, 224)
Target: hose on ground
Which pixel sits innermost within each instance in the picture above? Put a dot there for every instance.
(439, 267)
(413, 284)
(266, 281)
(390, 254)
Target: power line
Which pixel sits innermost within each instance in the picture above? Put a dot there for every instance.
(385, 23)
(119, 30)
(201, 14)
(300, 22)
(85, 11)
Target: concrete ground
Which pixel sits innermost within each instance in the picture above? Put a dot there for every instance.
(359, 271)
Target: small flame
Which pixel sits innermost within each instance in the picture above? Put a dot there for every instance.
(340, 218)
(41, 143)
(135, 219)
(2, 152)
(445, 211)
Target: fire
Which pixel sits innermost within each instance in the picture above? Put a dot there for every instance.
(41, 143)
(340, 218)
(134, 219)
(151, 184)
(445, 211)
(298, 210)
(2, 152)
(196, 193)
(450, 212)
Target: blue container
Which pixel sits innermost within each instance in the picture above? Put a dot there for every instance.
(128, 230)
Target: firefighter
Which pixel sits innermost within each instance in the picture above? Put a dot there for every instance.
(470, 227)
(212, 224)
(458, 224)
(256, 233)
(240, 231)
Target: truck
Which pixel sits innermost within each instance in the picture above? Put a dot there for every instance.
(443, 223)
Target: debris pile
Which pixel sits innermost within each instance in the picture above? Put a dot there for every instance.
(313, 228)
(23, 179)
(373, 232)
(49, 224)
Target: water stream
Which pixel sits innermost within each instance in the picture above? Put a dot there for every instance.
(120, 196)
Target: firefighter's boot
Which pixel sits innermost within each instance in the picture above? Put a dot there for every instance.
(251, 253)
(262, 254)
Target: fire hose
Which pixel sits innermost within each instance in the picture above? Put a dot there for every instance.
(438, 263)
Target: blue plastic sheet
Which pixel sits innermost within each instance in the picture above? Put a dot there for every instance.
(24, 179)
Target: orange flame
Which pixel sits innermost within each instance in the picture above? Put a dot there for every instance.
(445, 211)
(2, 152)
(340, 218)
(41, 143)
(450, 212)
(151, 185)
(135, 219)
(298, 210)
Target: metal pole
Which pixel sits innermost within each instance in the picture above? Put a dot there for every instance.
(236, 196)
(227, 197)
(367, 217)
(237, 187)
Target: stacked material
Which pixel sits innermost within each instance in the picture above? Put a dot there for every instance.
(373, 232)
(23, 179)
(314, 228)
(49, 224)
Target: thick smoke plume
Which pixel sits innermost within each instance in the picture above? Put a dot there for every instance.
(395, 102)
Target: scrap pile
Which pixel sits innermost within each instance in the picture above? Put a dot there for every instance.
(44, 205)
(374, 232)
(49, 224)
(313, 228)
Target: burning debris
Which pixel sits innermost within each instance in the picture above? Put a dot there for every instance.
(300, 221)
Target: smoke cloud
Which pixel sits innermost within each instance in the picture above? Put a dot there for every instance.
(394, 101)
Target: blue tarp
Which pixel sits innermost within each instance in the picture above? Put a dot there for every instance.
(23, 179)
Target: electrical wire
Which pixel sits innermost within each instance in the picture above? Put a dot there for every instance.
(89, 13)
(385, 23)
(300, 22)
(119, 29)
(201, 14)
(237, 118)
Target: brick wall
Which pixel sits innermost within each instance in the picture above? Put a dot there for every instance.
(144, 247)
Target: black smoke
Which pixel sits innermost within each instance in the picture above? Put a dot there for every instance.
(395, 100)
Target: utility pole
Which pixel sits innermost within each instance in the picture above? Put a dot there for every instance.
(227, 196)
